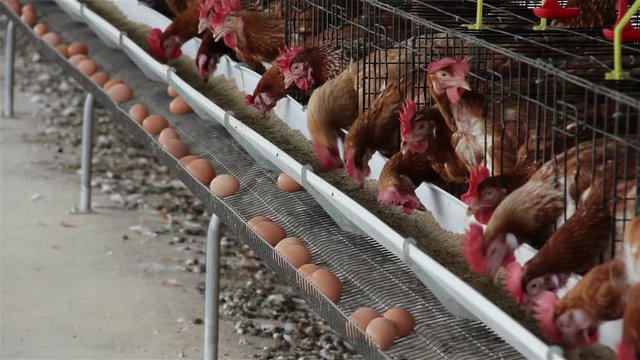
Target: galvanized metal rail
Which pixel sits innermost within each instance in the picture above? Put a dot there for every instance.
(371, 275)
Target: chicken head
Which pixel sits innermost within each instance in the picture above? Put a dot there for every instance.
(449, 76)
(225, 24)
(296, 68)
(328, 156)
(164, 47)
(261, 101)
(577, 328)
(416, 129)
(572, 327)
(526, 290)
(399, 190)
(480, 201)
(356, 164)
(205, 15)
(485, 258)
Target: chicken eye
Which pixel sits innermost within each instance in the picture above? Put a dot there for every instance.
(443, 74)
(228, 20)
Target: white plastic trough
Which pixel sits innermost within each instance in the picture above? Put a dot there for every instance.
(448, 210)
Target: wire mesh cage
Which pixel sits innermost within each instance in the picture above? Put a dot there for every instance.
(543, 90)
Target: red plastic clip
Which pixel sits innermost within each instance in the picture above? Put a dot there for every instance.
(552, 10)
(629, 33)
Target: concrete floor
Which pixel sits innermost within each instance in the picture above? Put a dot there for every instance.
(72, 288)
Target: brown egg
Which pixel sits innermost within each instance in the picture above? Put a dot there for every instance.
(120, 93)
(363, 316)
(88, 67)
(28, 8)
(100, 78)
(179, 107)
(382, 332)
(51, 38)
(76, 59)
(328, 283)
(286, 183)
(258, 219)
(138, 112)
(109, 84)
(62, 49)
(176, 148)
(288, 242)
(154, 124)
(76, 48)
(298, 255)
(29, 18)
(40, 29)
(270, 231)
(224, 185)
(202, 170)
(166, 135)
(187, 159)
(402, 320)
(309, 269)
(172, 91)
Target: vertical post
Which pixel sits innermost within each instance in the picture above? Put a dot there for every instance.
(212, 290)
(8, 69)
(618, 73)
(479, 16)
(87, 149)
(543, 22)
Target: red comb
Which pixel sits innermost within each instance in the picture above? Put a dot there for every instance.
(203, 7)
(472, 249)
(513, 281)
(477, 176)
(626, 351)
(222, 9)
(154, 43)
(458, 67)
(288, 54)
(543, 313)
(407, 114)
(155, 46)
(249, 99)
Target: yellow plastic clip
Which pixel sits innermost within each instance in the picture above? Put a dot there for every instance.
(479, 11)
(543, 22)
(617, 73)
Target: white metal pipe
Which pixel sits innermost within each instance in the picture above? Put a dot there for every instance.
(87, 151)
(8, 69)
(212, 290)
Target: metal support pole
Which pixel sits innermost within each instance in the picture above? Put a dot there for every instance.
(8, 69)
(212, 290)
(87, 150)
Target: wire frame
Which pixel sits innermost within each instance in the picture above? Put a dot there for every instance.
(552, 80)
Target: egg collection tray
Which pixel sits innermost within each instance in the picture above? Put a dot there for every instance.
(371, 275)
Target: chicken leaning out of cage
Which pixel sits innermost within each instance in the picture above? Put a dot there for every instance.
(540, 160)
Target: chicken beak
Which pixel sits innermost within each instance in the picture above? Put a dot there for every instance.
(493, 272)
(219, 33)
(288, 81)
(473, 207)
(202, 26)
(463, 83)
(405, 148)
